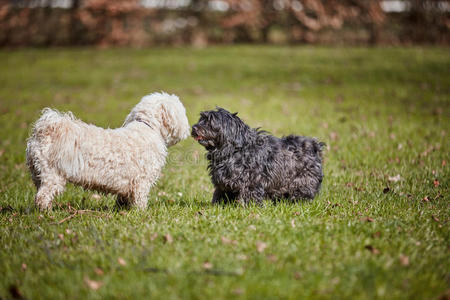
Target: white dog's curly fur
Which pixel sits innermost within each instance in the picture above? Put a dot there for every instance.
(126, 161)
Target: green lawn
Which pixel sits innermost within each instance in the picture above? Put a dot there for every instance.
(378, 229)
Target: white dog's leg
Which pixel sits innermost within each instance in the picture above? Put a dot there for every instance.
(33, 171)
(51, 186)
(140, 197)
(47, 181)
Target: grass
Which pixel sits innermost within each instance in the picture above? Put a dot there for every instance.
(382, 112)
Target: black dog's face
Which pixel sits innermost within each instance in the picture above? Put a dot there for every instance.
(206, 131)
(216, 128)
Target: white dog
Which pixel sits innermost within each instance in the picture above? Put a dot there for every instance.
(126, 161)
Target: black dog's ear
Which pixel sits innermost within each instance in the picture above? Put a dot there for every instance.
(235, 114)
(238, 141)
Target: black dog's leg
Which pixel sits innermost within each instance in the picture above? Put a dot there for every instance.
(222, 196)
(122, 202)
(217, 196)
(246, 195)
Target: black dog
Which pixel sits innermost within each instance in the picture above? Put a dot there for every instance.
(249, 164)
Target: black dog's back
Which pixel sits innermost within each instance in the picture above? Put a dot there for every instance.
(310, 146)
(304, 147)
(301, 172)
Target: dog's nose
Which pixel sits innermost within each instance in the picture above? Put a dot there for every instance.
(194, 130)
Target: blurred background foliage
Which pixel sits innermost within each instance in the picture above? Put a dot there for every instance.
(141, 23)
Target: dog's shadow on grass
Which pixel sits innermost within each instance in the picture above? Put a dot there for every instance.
(179, 203)
(226, 204)
(76, 207)
(27, 210)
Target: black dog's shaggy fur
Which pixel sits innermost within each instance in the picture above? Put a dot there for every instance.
(249, 164)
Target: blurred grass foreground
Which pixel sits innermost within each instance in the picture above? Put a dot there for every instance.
(378, 229)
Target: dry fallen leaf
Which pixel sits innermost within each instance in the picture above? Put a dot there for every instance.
(239, 271)
(335, 280)
(436, 219)
(395, 178)
(24, 266)
(298, 275)
(92, 284)
(226, 241)
(404, 260)
(99, 271)
(168, 238)
(254, 216)
(153, 236)
(367, 219)
(334, 136)
(272, 258)
(293, 223)
(237, 291)
(372, 249)
(96, 197)
(436, 183)
(121, 261)
(242, 257)
(376, 234)
(252, 227)
(261, 246)
(426, 199)
(207, 265)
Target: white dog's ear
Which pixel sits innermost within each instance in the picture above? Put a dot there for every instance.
(168, 124)
(166, 118)
(130, 118)
(174, 123)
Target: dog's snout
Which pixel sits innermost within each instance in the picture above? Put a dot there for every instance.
(194, 130)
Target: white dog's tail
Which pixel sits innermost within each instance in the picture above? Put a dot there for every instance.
(52, 140)
(49, 118)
